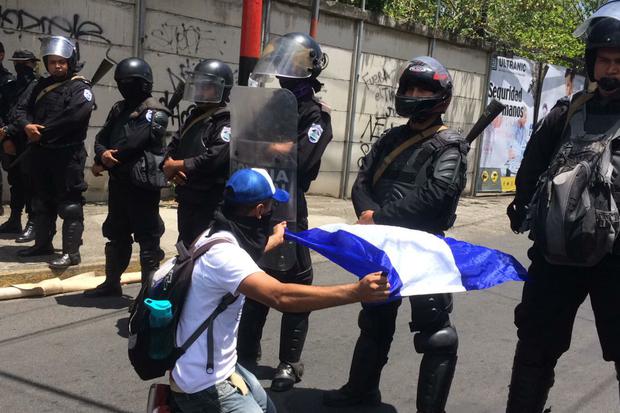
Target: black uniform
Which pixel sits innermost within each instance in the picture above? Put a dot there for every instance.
(203, 145)
(5, 77)
(314, 133)
(553, 293)
(132, 130)
(19, 175)
(418, 190)
(64, 108)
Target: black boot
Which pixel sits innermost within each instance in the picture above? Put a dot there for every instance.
(293, 331)
(28, 234)
(529, 388)
(43, 242)
(434, 381)
(287, 374)
(13, 225)
(71, 239)
(250, 332)
(117, 258)
(149, 262)
(363, 385)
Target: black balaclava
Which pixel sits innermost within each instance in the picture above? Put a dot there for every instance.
(22, 70)
(133, 91)
(251, 233)
(301, 87)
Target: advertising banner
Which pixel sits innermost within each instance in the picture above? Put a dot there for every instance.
(558, 83)
(504, 141)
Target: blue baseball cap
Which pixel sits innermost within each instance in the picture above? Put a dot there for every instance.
(253, 185)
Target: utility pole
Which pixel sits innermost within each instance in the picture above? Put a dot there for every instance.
(314, 18)
(251, 27)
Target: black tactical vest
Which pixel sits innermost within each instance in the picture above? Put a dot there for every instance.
(414, 166)
(192, 139)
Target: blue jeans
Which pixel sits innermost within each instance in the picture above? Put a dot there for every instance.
(225, 398)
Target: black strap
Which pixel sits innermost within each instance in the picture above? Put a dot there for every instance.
(227, 300)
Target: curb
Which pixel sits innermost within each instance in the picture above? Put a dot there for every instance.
(43, 273)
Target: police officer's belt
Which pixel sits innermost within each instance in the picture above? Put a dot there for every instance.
(399, 149)
(53, 86)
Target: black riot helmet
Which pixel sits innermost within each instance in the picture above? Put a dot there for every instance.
(136, 72)
(605, 33)
(294, 56)
(210, 82)
(426, 73)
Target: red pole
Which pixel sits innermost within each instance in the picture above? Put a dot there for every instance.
(249, 50)
(314, 19)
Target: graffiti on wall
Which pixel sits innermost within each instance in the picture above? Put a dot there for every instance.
(182, 38)
(379, 87)
(18, 21)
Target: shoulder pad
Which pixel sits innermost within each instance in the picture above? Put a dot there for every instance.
(450, 137)
(81, 79)
(448, 165)
(324, 106)
(160, 118)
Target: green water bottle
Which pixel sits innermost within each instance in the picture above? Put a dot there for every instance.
(161, 338)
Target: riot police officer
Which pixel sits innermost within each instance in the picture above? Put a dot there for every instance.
(197, 158)
(55, 118)
(553, 293)
(412, 177)
(135, 128)
(5, 75)
(296, 60)
(14, 142)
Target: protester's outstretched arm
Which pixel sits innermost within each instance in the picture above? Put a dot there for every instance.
(287, 297)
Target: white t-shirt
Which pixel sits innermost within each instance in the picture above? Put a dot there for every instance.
(218, 272)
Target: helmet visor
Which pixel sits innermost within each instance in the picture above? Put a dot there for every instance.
(57, 46)
(286, 58)
(610, 9)
(204, 88)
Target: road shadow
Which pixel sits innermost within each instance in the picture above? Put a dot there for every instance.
(261, 372)
(104, 303)
(8, 253)
(122, 327)
(299, 400)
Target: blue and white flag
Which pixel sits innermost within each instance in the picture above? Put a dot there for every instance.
(415, 262)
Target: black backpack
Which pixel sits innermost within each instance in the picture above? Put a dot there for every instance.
(171, 283)
(573, 216)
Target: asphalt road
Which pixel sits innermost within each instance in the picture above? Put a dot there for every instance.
(67, 354)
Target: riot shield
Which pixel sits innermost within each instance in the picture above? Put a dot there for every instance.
(264, 135)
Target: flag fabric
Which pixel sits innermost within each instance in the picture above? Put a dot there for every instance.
(415, 262)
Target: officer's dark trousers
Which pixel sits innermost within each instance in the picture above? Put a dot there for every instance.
(20, 185)
(294, 326)
(131, 211)
(193, 219)
(434, 337)
(58, 184)
(545, 317)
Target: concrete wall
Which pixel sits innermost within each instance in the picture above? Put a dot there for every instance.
(178, 34)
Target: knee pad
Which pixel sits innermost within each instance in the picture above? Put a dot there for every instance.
(535, 355)
(444, 340)
(379, 321)
(430, 312)
(72, 212)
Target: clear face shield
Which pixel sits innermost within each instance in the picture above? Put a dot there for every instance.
(57, 46)
(204, 88)
(610, 9)
(283, 57)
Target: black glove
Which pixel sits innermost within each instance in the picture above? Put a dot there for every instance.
(517, 214)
